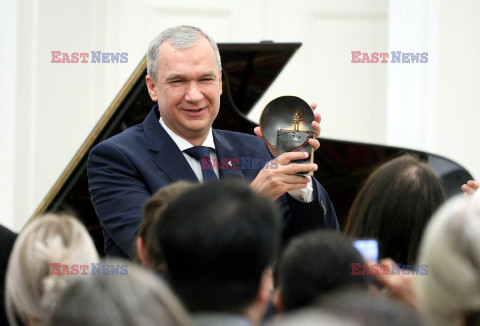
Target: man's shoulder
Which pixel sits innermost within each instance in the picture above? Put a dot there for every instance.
(131, 136)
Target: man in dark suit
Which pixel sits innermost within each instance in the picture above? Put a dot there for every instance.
(176, 142)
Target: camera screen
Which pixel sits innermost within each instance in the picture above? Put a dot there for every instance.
(368, 249)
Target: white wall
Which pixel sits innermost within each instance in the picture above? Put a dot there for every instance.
(47, 109)
(8, 53)
(459, 83)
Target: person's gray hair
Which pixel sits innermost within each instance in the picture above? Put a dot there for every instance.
(451, 249)
(180, 37)
(138, 298)
(31, 289)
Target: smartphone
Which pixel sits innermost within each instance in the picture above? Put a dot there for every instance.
(368, 248)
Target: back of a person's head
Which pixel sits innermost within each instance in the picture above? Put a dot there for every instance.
(157, 203)
(394, 206)
(218, 238)
(139, 298)
(315, 264)
(31, 288)
(150, 254)
(451, 249)
(368, 309)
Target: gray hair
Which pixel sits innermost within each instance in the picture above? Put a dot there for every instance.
(31, 289)
(180, 37)
(451, 249)
(138, 297)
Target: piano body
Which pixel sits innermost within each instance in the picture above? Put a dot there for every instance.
(248, 70)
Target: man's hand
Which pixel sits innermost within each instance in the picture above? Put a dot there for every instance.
(276, 178)
(314, 142)
(470, 187)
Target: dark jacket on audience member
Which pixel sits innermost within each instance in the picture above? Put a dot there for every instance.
(7, 239)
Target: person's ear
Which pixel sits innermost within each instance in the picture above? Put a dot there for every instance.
(220, 83)
(142, 254)
(151, 88)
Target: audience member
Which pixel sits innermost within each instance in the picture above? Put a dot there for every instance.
(368, 310)
(219, 240)
(139, 298)
(311, 317)
(148, 251)
(394, 205)
(31, 287)
(450, 293)
(7, 238)
(316, 264)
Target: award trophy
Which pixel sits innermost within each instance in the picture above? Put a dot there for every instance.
(286, 124)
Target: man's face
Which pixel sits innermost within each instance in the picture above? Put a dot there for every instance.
(188, 89)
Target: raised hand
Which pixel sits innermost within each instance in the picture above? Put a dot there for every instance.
(470, 188)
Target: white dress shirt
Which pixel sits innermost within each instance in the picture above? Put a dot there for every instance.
(303, 195)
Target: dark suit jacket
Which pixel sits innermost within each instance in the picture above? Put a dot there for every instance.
(126, 169)
(7, 239)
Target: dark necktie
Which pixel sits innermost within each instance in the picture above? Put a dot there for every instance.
(202, 154)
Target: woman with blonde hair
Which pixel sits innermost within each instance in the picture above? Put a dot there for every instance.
(450, 293)
(32, 286)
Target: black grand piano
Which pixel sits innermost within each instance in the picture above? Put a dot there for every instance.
(248, 70)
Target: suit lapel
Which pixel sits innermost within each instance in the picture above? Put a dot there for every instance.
(229, 162)
(166, 154)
